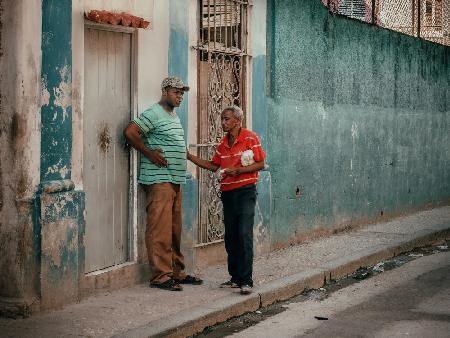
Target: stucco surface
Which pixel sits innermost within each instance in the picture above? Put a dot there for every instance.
(358, 120)
(20, 59)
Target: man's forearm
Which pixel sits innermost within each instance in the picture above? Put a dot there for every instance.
(257, 166)
(133, 136)
(136, 142)
(202, 163)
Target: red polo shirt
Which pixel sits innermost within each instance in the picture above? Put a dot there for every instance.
(228, 157)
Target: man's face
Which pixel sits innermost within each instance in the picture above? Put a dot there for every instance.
(229, 122)
(173, 96)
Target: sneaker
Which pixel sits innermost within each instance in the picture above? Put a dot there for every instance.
(229, 284)
(246, 289)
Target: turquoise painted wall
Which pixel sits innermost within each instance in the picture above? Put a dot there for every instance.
(56, 114)
(262, 232)
(178, 66)
(60, 228)
(359, 120)
(178, 50)
(258, 51)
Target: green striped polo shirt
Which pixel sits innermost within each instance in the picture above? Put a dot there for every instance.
(160, 130)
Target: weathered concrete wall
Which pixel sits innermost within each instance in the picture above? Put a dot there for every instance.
(56, 77)
(60, 207)
(61, 216)
(259, 116)
(358, 121)
(20, 56)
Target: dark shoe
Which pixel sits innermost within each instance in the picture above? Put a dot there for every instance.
(246, 289)
(190, 280)
(170, 285)
(229, 284)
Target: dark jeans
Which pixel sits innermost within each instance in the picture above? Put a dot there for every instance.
(239, 213)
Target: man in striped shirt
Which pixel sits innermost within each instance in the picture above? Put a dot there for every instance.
(238, 188)
(159, 137)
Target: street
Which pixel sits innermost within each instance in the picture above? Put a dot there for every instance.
(410, 301)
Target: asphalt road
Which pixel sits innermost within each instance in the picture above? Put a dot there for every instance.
(410, 301)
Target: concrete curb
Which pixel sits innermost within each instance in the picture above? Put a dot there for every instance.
(198, 318)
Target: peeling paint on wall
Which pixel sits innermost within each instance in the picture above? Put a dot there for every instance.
(45, 94)
(63, 93)
(62, 172)
(56, 80)
(61, 216)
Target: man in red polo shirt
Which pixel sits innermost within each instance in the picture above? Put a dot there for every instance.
(238, 188)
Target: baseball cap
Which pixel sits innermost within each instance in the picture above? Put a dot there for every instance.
(174, 82)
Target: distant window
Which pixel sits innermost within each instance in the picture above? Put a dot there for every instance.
(355, 9)
(428, 19)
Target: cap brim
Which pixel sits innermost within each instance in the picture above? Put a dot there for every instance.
(185, 88)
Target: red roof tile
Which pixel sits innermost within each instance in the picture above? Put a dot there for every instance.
(112, 18)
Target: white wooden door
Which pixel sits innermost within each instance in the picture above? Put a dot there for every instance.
(106, 164)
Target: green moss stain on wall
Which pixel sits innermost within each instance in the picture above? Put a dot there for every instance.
(359, 120)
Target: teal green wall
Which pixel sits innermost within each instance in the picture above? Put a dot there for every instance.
(259, 113)
(56, 116)
(358, 120)
(59, 228)
(258, 51)
(178, 66)
(178, 50)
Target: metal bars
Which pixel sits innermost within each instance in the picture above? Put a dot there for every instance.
(355, 9)
(222, 51)
(427, 19)
(400, 16)
(221, 26)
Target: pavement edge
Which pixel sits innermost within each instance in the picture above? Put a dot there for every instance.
(194, 321)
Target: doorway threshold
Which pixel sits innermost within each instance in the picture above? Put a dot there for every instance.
(108, 269)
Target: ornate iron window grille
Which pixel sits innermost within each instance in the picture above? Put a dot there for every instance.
(222, 51)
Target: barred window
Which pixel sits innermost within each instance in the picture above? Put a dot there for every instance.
(355, 9)
(427, 19)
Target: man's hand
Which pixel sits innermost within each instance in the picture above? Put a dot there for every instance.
(156, 157)
(188, 154)
(233, 171)
(208, 165)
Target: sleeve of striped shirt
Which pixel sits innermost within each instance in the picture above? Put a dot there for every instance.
(258, 152)
(144, 122)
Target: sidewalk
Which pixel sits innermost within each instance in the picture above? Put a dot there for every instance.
(143, 312)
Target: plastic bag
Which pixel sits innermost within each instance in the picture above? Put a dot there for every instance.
(247, 158)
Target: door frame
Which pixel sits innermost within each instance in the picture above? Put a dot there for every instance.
(133, 160)
(246, 92)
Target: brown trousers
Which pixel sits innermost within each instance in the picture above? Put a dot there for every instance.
(163, 232)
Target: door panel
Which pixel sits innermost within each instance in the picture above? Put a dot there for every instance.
(106, 166)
